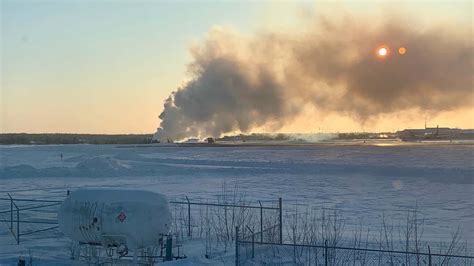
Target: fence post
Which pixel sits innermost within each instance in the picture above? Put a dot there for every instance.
(169, 248)
(237, 246)
(261, 221)
(11, 212)
(281, 220)
(253, 241)
(294, 251)
(326, 252)
(189, 217)
(226, 225)
(253, 245)
(17, 225)
(429, 256)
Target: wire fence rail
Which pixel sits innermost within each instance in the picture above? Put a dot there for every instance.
(33, 214)
(21, 212)
(250, 251)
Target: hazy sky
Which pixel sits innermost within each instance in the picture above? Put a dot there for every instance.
(107, 66)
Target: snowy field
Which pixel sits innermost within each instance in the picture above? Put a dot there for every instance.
(363, 181)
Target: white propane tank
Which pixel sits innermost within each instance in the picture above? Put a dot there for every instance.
(112, 217)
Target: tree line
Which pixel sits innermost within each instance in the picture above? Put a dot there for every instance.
(60, 138)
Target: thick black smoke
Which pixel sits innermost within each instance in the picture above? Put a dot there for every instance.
(240, 83)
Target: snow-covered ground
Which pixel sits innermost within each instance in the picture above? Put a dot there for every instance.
(364, 181)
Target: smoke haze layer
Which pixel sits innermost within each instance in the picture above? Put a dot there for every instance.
(238, 83)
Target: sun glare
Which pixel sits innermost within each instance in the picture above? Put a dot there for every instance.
(382, 51)
(402, 50)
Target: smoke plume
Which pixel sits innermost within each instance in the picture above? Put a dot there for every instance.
(238, 83)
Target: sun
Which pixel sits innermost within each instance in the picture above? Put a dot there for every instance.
(382, 51)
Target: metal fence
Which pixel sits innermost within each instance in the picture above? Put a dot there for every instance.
(250, 251)
(256, 231)
(28, 216)
(25, 212)
(190, 218)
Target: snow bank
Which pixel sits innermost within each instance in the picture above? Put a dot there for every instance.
(100, 165)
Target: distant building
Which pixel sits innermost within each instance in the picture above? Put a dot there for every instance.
(435, 133)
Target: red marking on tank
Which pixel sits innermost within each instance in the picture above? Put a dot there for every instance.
(121, 217)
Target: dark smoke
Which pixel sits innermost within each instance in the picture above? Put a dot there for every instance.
(238, 83)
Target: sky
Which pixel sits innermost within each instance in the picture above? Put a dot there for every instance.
(108, 66)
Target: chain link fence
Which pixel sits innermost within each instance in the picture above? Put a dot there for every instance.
(215, 222)
(250, 251)
(191, 218)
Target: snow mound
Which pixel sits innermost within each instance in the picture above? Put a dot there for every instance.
(100, 164)
(18, 171)
(91, 167)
